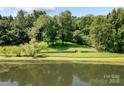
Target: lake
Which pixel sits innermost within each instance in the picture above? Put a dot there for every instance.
(61, 75)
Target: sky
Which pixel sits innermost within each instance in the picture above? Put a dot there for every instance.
(76, 11)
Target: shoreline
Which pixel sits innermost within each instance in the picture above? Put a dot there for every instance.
(63, 60)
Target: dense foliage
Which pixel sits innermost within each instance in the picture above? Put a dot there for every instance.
(108, 31)
(105, 32)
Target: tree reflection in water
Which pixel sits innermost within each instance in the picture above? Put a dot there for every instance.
(62, 74)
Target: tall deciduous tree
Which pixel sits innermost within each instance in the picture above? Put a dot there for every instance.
(65, 23)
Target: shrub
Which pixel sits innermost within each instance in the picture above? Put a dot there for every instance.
(18, 51)
(32, 48)
(5, 51)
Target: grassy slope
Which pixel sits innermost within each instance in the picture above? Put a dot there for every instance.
(66, 53)
(69, 47)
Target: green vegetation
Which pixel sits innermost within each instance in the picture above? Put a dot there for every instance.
(105, 33)
(32, 48)
(68, 53)
(85, 55)
(30, 40)
(108, 33)
(63, 37)
(28, 49)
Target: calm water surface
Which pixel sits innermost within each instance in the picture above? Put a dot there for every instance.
(61, 74)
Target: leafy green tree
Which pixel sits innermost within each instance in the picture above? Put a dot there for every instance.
(65, 23)
(40, 26)
(51, 31)
(82, 29)
(4, 26)
(20, 21)
(37, 13)
(107, 31)
(77, 37)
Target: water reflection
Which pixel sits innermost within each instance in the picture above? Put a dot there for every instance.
(62, 74)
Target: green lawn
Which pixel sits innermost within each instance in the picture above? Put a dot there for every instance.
(58, 60)
(68, 51)
(84, 55)
(70, 47)
(58, 48)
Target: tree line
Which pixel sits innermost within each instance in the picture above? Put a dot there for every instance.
(104, 32)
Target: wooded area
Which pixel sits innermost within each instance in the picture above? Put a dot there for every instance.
(104, 32)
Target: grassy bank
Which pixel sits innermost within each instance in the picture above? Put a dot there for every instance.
(69, 53)
(58, 48)
(85, 55)
(58, 60)
(69, 50)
